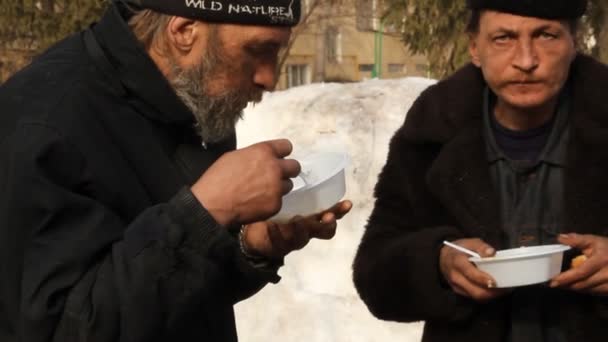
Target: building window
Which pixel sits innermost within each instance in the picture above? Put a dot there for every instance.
(333, 45)
(297, 75)
(396, 68)
(366, 67)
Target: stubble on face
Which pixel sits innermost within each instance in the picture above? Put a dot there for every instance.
(216, 115)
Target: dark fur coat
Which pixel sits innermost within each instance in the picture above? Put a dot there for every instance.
(436, 186)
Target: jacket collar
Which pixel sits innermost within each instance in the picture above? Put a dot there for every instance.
(144, 85)
(554, 151)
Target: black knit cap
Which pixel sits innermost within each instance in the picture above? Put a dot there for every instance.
(247, 12)
(547, 9)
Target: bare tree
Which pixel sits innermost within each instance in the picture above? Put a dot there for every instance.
(314, 13)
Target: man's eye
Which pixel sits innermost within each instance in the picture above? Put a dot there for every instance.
(501, 39)
(261, 51)
(254, 50)
(547, 35)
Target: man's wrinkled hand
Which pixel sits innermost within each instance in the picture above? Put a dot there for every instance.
(247, 185)
(275, 240)
(463, 276)
(592, 275)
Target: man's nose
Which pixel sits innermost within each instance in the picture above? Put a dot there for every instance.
(526, 58)
(265, 76)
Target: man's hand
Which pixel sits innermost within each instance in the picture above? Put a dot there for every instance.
(592, 275)
(275, 240)
(464, 278)
(247, 185)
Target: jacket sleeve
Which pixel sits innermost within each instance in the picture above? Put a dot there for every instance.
(87, 275)
(396, 268)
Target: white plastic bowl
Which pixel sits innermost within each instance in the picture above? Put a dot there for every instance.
(523, 266)
(320, 185)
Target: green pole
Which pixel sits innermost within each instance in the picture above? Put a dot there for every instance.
(375, 68)
(381, 49)
(378, 42)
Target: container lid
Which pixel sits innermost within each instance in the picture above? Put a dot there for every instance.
(522, 253)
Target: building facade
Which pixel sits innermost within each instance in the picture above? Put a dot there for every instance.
(346, 42)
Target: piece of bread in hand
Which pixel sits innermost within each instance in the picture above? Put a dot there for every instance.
(579, 260)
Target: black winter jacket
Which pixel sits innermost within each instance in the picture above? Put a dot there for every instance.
(100, 236)
(436, 186)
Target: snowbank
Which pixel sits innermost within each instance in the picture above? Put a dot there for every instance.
(316, 300)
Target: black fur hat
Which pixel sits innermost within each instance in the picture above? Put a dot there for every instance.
(252, 12)
(547, 9)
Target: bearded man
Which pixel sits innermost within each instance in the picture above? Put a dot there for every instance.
(126, 214)
(507, 152)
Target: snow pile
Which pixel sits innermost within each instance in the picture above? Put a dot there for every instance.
(316, 300)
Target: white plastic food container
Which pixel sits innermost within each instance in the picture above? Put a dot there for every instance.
(320, 185)
(524, 265)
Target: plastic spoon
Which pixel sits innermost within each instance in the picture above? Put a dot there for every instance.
(462, 249)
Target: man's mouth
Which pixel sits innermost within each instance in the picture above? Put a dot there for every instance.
(525, 82)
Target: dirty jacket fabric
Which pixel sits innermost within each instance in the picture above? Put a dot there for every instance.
(100, 236)
(436, 185)
(531, 207)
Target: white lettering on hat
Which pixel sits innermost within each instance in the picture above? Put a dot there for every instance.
(215, 6)
(276, 14)
(259, 10)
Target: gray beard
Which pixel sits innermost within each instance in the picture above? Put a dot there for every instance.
(216, 116)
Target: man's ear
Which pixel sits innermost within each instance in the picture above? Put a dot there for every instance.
(182, 33)
(473, 50)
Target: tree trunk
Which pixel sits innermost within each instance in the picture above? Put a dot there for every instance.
(304, 22)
